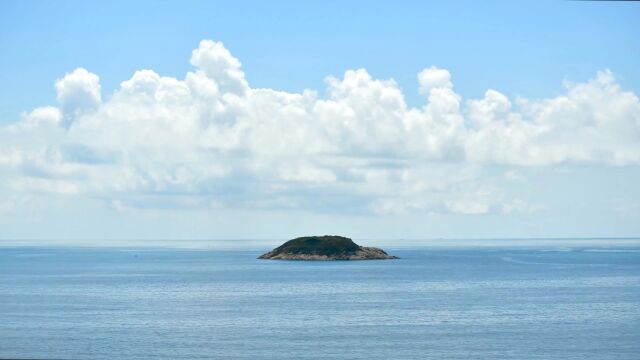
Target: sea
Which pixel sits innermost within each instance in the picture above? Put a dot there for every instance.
(435, 302)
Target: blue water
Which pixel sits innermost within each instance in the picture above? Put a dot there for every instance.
(101, 303)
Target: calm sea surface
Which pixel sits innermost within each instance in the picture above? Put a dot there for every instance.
(434, 303)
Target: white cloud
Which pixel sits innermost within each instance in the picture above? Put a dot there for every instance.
(493, 107)
(42, 116)
(434, 78)
(595, 122)
(78, 93)
(218, 63)
(211, 140)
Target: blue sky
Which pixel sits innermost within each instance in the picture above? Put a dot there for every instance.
(564, 176)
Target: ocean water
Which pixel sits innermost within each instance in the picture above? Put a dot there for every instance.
(433, 303)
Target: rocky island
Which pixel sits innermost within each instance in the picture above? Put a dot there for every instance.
(326, 247)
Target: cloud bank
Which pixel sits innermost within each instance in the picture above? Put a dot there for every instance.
(211, 141)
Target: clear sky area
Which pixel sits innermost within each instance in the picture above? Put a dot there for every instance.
(261, 120)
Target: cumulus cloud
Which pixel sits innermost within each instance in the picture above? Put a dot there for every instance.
(78, 93)
(210, 140)
(42, 116)
(434, 78)
(217, 62)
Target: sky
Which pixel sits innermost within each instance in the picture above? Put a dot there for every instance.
(255, 120)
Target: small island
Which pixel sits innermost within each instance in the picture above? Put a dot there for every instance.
(327, 247)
